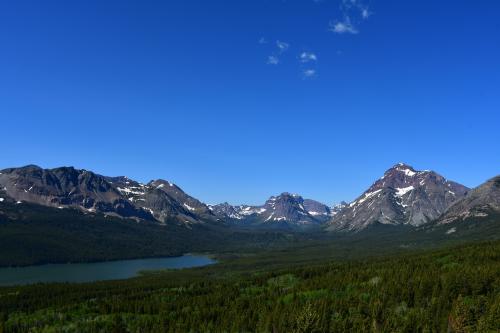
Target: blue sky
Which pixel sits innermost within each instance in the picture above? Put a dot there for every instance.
(239, 100)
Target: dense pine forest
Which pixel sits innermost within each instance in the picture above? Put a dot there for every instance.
(61, 236)
(455, 289)
(263, 166)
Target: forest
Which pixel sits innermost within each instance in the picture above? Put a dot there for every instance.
(303, 289)
(62, 236)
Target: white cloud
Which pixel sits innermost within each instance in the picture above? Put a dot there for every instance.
(307, 56)
(309, 73)
(355, 9)
(282, 46)
(343, 27)
(262, 40)
(273, 60)
(363, 9)
(365, 13)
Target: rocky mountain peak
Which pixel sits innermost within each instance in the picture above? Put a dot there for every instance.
(226, 211)
(479, 202)
(402, 195)
(67, 187)
(162, 184)
(338, 207)
(284, 209)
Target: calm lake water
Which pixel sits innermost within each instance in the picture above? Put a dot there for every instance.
(87, 272)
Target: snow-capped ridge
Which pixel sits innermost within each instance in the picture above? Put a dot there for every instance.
(288, 208)
(402, 196)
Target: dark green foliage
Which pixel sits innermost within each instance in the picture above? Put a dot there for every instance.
(454, 289)
(375, 281)
(33, 234)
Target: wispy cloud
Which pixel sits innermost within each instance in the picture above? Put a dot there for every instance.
(307, 57)
(357, 5)
(308, 73)
(351, 17)
(365, 13)
(282, 46)
(354, 11)
(343, 27)
(273, 60)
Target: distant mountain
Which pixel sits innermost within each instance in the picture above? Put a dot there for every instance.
(481, 202)
(337, 208)
(67, 187)
(227, 211)
(164, 200)
(317, 209)
(66, 214)
(38, 234)
(285, 209)
(403, 196)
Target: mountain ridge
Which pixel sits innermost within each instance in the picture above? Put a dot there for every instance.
(479, 202)
(401, 196)
(67, 187)
(288, 209)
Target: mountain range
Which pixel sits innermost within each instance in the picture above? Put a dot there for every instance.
(283, 210)
(69, 215)
(402, 196)
(67, 187)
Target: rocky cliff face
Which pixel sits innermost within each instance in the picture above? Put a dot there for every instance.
(401, 196)
(479, 202)
(285, 209)
(68, 187)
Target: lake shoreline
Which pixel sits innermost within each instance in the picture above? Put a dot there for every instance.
(44, 263)
(82, 272)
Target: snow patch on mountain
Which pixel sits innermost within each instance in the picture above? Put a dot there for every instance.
(451, 230)
(189, 207)
(131, 190)
(402, 191)
(365, 197)
(402, 196)
(317, 213)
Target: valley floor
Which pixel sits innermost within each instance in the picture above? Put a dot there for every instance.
(302, 289)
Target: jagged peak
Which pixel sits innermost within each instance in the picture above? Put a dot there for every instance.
(287, 194)
(407, 169)
(402, 166)
(495, 181)
(68, 167)
(160, 183)
(29, 166)
(222, 204)
(340, 204)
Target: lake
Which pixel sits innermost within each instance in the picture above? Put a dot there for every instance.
(88, 272)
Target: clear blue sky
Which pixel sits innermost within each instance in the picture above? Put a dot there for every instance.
(239, 100)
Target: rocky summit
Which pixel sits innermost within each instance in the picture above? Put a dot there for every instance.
(482, 201)
(285, 209)
(402, 196)
(67, 187)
